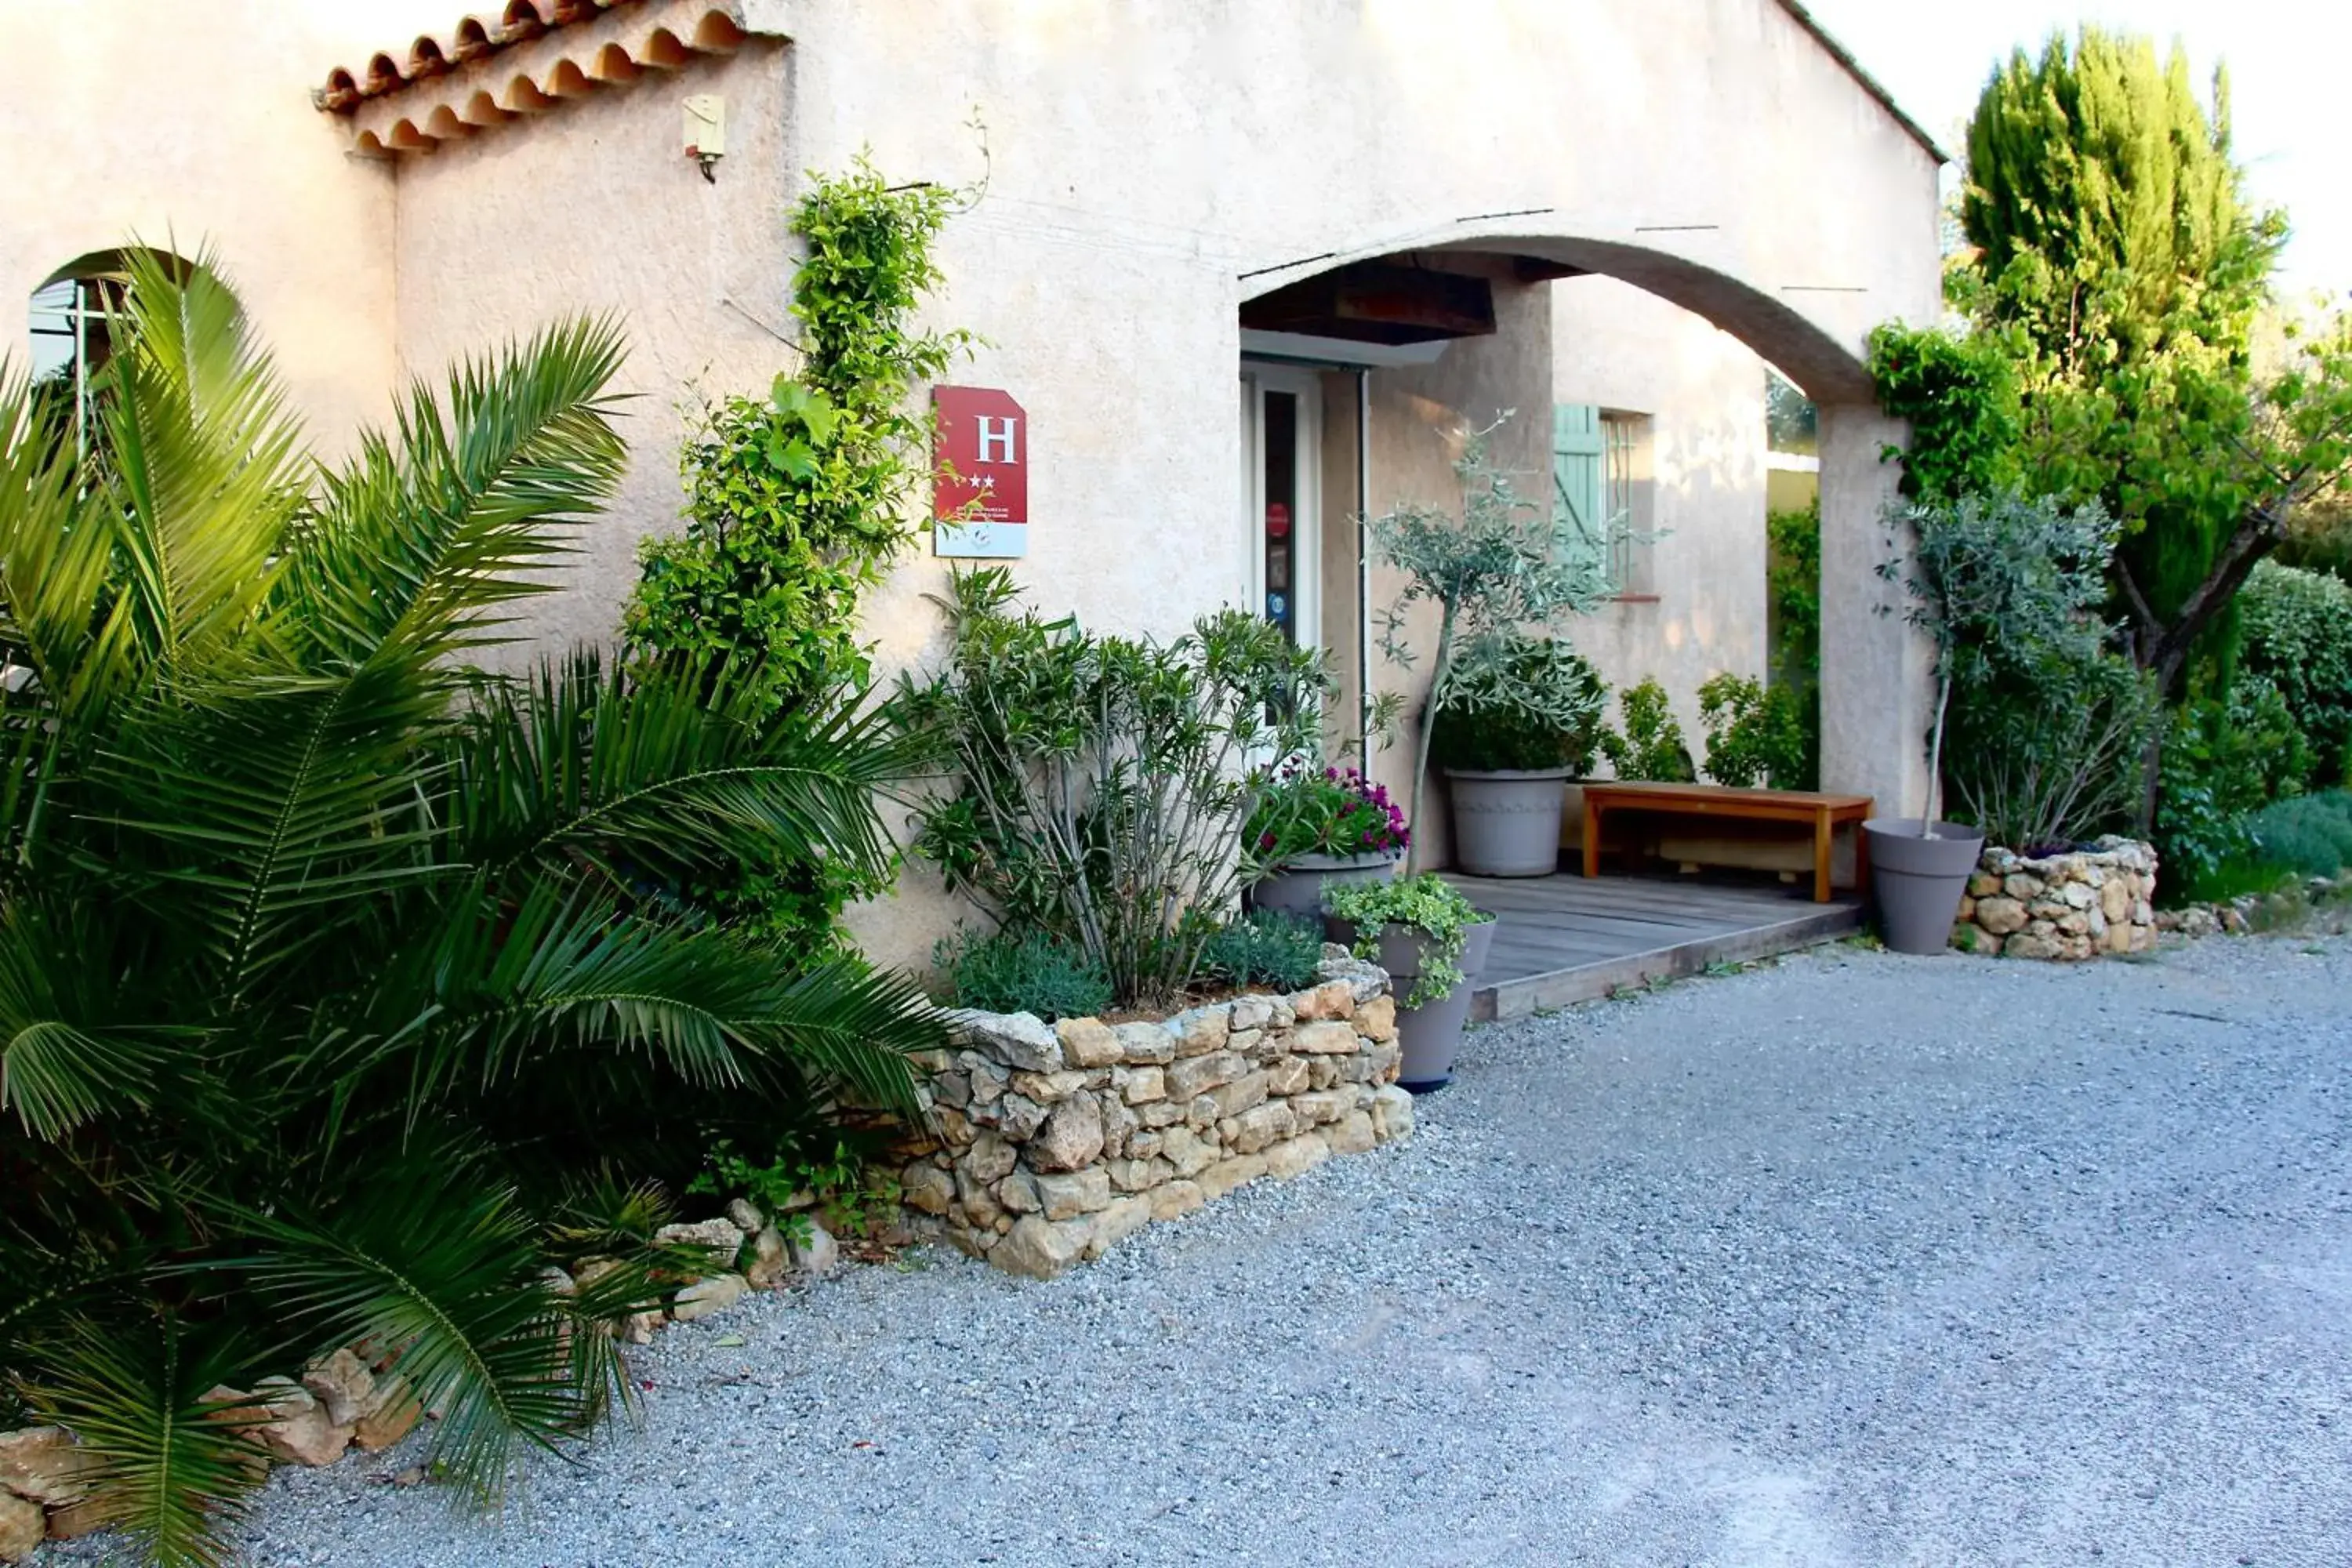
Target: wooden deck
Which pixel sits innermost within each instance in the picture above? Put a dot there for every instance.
(1563, 939)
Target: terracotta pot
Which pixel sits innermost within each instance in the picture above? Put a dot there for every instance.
(1430, 1033)
(1507, 824)
(1297, 888)
(1918, 881)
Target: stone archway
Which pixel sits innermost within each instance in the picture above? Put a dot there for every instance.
(1875, 683)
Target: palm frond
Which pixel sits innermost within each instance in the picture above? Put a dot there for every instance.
(203, 462)
(68, 1051)
(164, 1466)
(421, 538)
(432, 1255)
(668, 772)
(857, 1026)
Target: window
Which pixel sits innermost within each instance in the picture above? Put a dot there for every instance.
(71, 320)
(1602, 491)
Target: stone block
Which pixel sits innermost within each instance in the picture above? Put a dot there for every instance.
(770, 1258)
(1019, 1115)
(1198, 1075)
(719, 1236)
(1186, 1151)
(1078, 1192)
(1117, 1122)
(42, 1464)
(1286, 1075)
(924, 1186)
(1983, 885)
(1139, 1086)
(1226, 1174)
(342, 1383)
(1351, 1134)
(1325, 1038)
(2078, 895)
(1322, 1072)
(2031, 945)
(1974, 938)
(705, 1297)
(1146, 1045)
(1089, 1043)
(989, 1080)
(1251, 1013)
(1263, 1125)
(1142, 1145)
(2021, 887)
(1122, 1219)
(977, 1198)
(1173, 1200)
(989, 1157)
(1256, 1045)
(22, 1527)
(1160, 1113)
(1018, 1194)
(1333, 999)
(1296, 1156)
(1391, 1114)
(1232, 1098)
(1138, 1176)
(1016, 1039)
(1376, 1019)
(1047, 1087)
(1040, 1248)
(1323, 1105)
(1202, 1030)
(295, 1428)
(2115, 899)
(952, 1089)
(392, 1413)
(1071, 1137)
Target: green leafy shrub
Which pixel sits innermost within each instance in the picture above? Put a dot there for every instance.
(1649, 743)
(1305, 810)
(796, 505)
(2047, 720)
(2223, 762)
(326, 978)
(842, 1179)
(2310, 836)
(1758, 735)
(1792, 581)
(1538, 705)
(2295, 631)
(1428, 904)
(1026, 972)
(1100, 785)
(1267, 947)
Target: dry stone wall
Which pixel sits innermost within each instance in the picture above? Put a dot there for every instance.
(2072, 906)
(1056, 1142)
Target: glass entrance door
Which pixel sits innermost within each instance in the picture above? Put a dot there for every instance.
(1282, 422)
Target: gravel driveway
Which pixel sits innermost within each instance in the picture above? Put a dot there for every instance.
(1853, 1259)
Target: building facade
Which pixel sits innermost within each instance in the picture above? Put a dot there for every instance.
(1595, 213)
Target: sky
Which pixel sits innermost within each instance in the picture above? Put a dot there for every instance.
(2288, 58)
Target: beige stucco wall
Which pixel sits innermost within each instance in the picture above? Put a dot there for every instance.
(190, 127)
(1702, 392)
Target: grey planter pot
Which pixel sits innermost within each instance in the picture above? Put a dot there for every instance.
(1430, 1033)
(1507, 824)
(1918, 881)
(1297, 888)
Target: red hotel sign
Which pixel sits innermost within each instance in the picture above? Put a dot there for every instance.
(979, 479)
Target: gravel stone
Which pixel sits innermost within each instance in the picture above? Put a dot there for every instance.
(1853, 1259)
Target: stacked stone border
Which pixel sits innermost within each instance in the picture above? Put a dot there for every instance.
(1055, 1143)
(356, 1400)
(2085, 903)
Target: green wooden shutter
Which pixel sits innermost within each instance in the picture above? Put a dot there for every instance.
(1577, 481)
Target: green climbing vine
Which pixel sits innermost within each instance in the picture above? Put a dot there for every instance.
(796, 502)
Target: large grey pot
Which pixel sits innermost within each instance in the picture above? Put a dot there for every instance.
(1918, 881)
(1430, 1033)
(1297, 888)
(1507, 824)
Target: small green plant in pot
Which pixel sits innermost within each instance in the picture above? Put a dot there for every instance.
(1434, 943)
(1510, 734)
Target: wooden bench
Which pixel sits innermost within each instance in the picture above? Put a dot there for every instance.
(1825, 814)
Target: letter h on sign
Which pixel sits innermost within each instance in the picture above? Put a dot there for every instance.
(980, 482)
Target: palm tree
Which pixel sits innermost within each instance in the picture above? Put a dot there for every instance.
(336, 1002)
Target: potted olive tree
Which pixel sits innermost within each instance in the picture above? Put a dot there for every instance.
(1509, 735)
(2006, 589)
(1496, 576)
(1316, 826)
(1434, 943)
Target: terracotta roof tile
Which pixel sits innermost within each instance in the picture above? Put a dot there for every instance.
(472, 38)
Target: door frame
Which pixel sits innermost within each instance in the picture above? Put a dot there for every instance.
(1259, 377)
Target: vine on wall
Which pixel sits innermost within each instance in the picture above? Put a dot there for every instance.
(797, 501)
